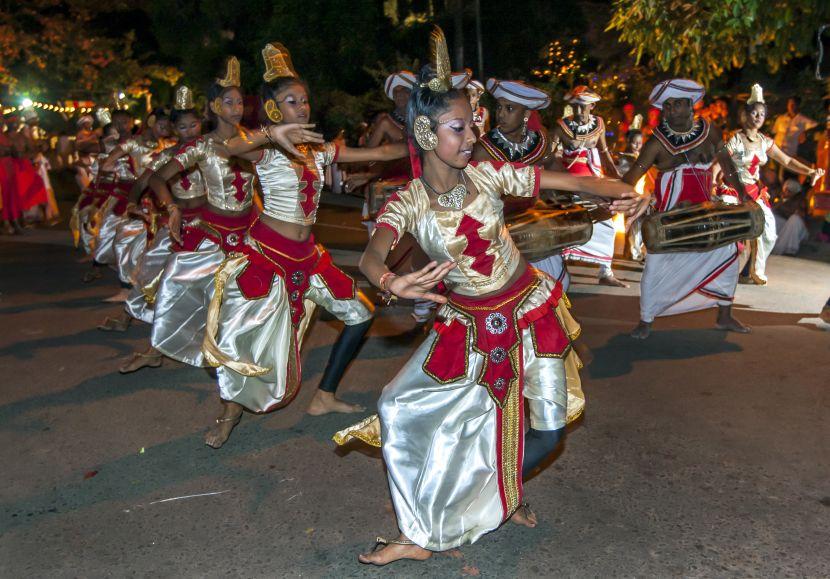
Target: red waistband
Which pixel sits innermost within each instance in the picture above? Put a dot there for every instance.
(268, 237)
(513, 291)
(242, 221)
(191, 212)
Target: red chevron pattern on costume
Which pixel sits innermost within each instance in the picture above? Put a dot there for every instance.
(238, 184)
(308, 190)
(476, 246)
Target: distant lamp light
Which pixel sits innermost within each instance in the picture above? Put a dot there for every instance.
(27, 103)
(121, 95)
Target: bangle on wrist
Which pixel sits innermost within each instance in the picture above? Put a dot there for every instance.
(265, 131)
(169, 207)
(383, 282)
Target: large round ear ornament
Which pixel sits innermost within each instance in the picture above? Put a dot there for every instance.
(273, 111)
(424, 135)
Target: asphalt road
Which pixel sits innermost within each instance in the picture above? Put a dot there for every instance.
(701, 453)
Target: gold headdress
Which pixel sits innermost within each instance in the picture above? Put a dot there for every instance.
(756, 95)
(232, 77)
(636, 123)
(568, 111)
(440, 60)
(104, 117)
(277, 62)
(184, 99)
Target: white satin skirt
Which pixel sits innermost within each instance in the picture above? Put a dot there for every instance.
(764, 244)
(147, 276)
(129, 244)
(675, 283)
(181, 303)
(105, 243)
(441, 441)
(254, 345)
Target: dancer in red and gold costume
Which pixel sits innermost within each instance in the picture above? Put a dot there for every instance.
(268, 291)
(581, 136)
(451, 423)
(683, 149)
(188, 190)
(750, 150)
(201, 244)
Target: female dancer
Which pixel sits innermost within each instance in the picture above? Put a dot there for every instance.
(188, 190)
(264, 297)
(452, 420)
(750, 150)
(186, 285)
(112, 185)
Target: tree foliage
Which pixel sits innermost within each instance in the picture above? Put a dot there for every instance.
(703, 39)
(59, 49)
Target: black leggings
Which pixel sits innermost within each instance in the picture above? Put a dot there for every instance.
(342, 353)
(538, 445)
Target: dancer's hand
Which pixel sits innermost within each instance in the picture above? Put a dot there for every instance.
(291, 134)
(418, 283)
(817, 174)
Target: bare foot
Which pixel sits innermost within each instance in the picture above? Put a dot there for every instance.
(731, 324)
(612, 281)
(642, 331)
(325, 403)
(401, 548)
(219, 434)
(91, 275)
(727, 322)
(118, 324)
(149, 358)
(524, 516)
(121, 296)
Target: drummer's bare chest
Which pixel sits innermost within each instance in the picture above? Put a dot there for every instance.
(703, 154)
(579, 143)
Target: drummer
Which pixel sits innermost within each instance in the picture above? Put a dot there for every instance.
(580, 138)
(683, 150)
(519, 137)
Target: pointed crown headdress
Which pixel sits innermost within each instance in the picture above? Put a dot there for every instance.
(756, 95)
(232, 77)
(104, 117)
(184, 99)
(440, 60)
(636, 123)
(277, 62)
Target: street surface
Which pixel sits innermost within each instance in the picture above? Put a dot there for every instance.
(701, 453)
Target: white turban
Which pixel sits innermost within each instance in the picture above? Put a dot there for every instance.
(582, 95)
(519, 92)
(403, 78)
(460, 79)
(677, 88)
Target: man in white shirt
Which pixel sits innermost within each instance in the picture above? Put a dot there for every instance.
(789, 130)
